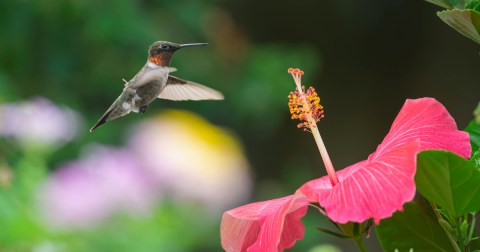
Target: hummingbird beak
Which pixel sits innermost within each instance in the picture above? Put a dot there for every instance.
(193, 44)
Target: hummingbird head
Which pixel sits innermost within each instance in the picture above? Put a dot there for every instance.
(161, 52)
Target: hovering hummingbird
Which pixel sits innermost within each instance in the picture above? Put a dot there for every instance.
(154, 81)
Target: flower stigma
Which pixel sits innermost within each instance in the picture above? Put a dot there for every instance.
(305, 106)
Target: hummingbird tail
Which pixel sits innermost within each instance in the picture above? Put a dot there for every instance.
(115, 111)
(102, 120)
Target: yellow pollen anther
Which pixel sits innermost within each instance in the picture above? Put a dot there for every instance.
(305, 106)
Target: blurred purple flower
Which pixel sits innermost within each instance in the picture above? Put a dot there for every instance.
(193, 160)
(86, 192)
(39, 121)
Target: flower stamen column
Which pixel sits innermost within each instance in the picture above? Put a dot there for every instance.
(305, 106)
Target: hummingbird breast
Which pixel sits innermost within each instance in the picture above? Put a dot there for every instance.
(149, 92)
(146, 86)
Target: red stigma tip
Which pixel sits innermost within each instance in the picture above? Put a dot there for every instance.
(295, 71)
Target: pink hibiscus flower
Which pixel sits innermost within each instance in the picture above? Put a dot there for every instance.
(373, 188)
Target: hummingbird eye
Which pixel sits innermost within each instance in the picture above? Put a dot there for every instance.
(165, 47)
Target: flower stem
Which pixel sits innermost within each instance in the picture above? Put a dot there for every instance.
(439, 217)
(460, 239)
(359, 241)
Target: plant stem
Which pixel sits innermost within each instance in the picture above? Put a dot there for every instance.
(359, 241)
(472, 228)
(460, 236)
(439, 217)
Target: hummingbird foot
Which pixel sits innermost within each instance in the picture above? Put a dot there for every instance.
(143, 109)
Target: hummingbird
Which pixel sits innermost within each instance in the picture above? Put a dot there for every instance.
(154, 81)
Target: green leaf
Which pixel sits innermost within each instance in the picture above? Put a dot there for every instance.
(412, 229)
(473, 4)
(475, 160)
(443, 3)
(467, 22)
(475, 245)
(476, 113)
(449, 181)
(473, 129)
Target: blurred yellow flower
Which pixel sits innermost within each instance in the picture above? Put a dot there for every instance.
(193, 160)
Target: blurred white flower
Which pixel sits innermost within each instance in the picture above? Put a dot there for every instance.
(39, 121)
(86, 192)
(193, 160)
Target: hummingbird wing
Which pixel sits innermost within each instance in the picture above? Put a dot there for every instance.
(182, 90)
(146, 75)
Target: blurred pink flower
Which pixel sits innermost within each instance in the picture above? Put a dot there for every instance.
(374, 188)
(39, 121)
(193, 160)
(86, 192)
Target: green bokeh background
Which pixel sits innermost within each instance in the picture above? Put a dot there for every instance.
(364, 58)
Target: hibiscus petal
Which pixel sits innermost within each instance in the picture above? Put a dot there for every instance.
(272, 225)
(429, 121)
(368, 189)
(379, 186)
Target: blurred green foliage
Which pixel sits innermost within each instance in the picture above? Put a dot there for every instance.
(76, 53)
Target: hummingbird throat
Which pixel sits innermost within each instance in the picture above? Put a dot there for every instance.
(158, 60)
